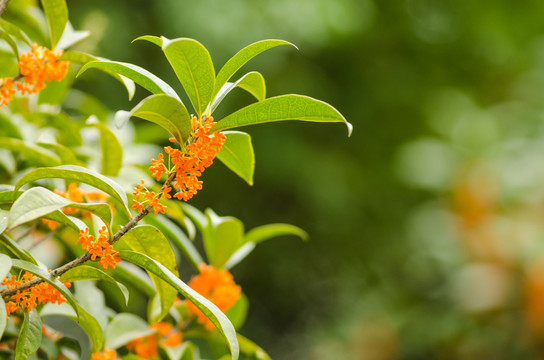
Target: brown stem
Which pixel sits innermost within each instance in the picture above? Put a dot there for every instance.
(3, 6)
(85, 257)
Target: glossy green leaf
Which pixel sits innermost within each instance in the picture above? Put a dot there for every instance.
(208, 308)
(56, 13)
(44, 275)
(3, 316)
(241, 57)
(252, 350)
(148, 240)
(252, 82)
(137, 74)
(3, 220)
(78, 174)
(83, 58)
(16, 249)
(176, 237)
(260, 234)
(125, 327)
(85, 272)
(27, 19)
(70, 36)
(237, 154)
(69, 221)
(162, 110)
(222, 237)
(281, 108)
(85, 320)
(134, 276)
(66, 155)
(30, 152)
(38, 202)
(14, 31)
(112, 151)
(11, 43)
(185, 351)
(30, 336)
(194, 68)
(151, 38)
(5, 265)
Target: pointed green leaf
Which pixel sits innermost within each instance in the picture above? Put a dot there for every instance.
(5, 265)
(56, 13)
(85, 320)
(70, 36)
(5, 36)
(148, 240)
(241, 57)
(44, 275)
(66, 155)
(260, 234)
(194, 68)
(30, 336)
(177, 237)
(252, 82)
(162, 110)
(14, 31)
(237, 154)
(208, 308)
(85, 272)
(138, 74)
(281, 108)
(83, 58)
(151, 38)
(125, 327)
(38, 202)
(69, 221)
(30, 152)
(222, 237)
(135, 277)
(16, 249)
(3, 220)
(78, 174)
(112, 151)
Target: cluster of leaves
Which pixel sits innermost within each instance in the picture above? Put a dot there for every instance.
(47, 142)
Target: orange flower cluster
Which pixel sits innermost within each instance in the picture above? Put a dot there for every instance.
(99, 248)
(147, 346)
(141, 193)
(199, 153)
(217, 286)
(30, 298)
(108, 354)
(35, 67)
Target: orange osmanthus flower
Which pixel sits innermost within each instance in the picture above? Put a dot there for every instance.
(218, 286)
(6, 91)
(108, 354)
(99, 248)
(30, 298)
(147, 346)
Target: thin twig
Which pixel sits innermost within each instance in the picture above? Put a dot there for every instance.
(85, 257)
(3, 6)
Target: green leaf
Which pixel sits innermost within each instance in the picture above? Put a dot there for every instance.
(85, 272)
(177, 238)
(83, 58)
(194, 68)
(252, 82)
(151, 38)
(16, 249)
(112, 151)
(85, 320)
(238, 312)
(15, 31)
(30, 152)
(5, 36)
(5, 265)
(3, 316)
(66, 155)
(44, 275)
(3, 220)
(237, 154)
(125, 327)
(162, 110)
(139, 75)
(69, 221)
(135, 277)
(208, 308)
(281, 108)
(70, 36)
(78, 174)
(38, 202)
(241, 57)
(56, 13)
(260, 234)
(30, 336)
(185, 351)
(252, 350)
(148, 240)
(222, 237)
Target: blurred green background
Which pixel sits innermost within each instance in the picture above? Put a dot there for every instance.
(426, 225)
